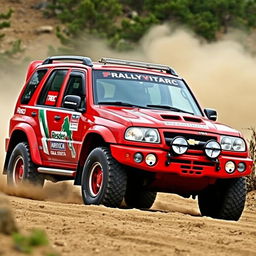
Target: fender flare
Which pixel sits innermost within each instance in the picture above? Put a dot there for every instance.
(32, 141)
(103, 131)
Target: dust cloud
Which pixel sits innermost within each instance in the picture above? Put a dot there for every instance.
(221, 74)
(63, 192)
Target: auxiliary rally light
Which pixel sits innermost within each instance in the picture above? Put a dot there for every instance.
(212, 149)
(179, 145)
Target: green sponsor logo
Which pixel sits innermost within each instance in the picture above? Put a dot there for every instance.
(69, 135)
(59, 135)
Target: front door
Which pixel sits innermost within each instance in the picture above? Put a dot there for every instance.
(62, 127)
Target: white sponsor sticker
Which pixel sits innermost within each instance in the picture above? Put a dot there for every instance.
(58, 153)
(140, 77)
(55, 145)
(51, 98)
(21, 111)
(201, 126)
(73, 126)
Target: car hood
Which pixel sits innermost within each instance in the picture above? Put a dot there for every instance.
(163, 119)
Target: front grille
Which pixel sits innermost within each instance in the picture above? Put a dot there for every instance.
(201, 138)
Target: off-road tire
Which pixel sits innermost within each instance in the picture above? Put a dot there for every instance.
(21, 152)
(114, 179)
(224, 200)
(136, 198)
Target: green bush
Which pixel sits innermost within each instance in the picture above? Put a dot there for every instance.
(124, 22)
(4, 21)
(26, 244)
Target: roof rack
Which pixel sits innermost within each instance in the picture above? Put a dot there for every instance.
(168, 69)
(85, 60)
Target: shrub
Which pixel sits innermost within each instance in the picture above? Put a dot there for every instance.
(251, 180)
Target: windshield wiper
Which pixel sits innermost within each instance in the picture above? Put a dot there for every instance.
(120, 103)
(169, 108)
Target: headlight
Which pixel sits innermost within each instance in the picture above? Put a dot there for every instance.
(232, 143)
(212, 149)
(151, 135)
(226, 143)
(142, 134)
(179, 145)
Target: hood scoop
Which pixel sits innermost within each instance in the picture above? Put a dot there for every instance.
(192, 119)
(185, 118)
(171, 117)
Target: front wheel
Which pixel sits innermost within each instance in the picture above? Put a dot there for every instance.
(141, 199)
(224, 200)
(103, 179)
(21, 168)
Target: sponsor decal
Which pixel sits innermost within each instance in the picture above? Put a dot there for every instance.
(55, 145)
(59, 135)
(201, 126)
(57, 148)
(44, 130)
(202, 133)
(73, 127)
(140, 77)
(75, 117)
(69, 136)
(74, 122)
(21, 111)
(51, 98)
(58, 153)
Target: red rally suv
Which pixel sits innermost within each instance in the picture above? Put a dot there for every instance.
(124, 130)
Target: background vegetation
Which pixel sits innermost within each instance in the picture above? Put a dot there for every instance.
(16, 45)
(124, 22)
(251, 180)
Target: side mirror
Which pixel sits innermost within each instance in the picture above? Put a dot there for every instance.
(72, 102)
(211, 114)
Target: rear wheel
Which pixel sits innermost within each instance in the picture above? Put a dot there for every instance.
(224, 200)
(103, 179)
(21, 168)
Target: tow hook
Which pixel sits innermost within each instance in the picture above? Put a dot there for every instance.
(217, 162)
(168, 161)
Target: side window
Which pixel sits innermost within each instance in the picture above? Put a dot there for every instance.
(32, 85)
(76, 86)
(50, 92)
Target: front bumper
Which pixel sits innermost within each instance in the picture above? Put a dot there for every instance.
(189, 164)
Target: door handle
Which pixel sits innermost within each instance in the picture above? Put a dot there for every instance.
(57, 118)
(33, 114)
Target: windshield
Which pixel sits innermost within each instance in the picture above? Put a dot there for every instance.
(143, 90)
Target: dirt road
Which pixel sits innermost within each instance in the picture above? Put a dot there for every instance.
(173, 227)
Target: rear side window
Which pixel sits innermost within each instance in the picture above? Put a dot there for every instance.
(32, 85)
(50, 93)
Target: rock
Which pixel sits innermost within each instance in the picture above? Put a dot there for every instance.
(44, 29)
(59, 243)
(40, 6)
(7, 222)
